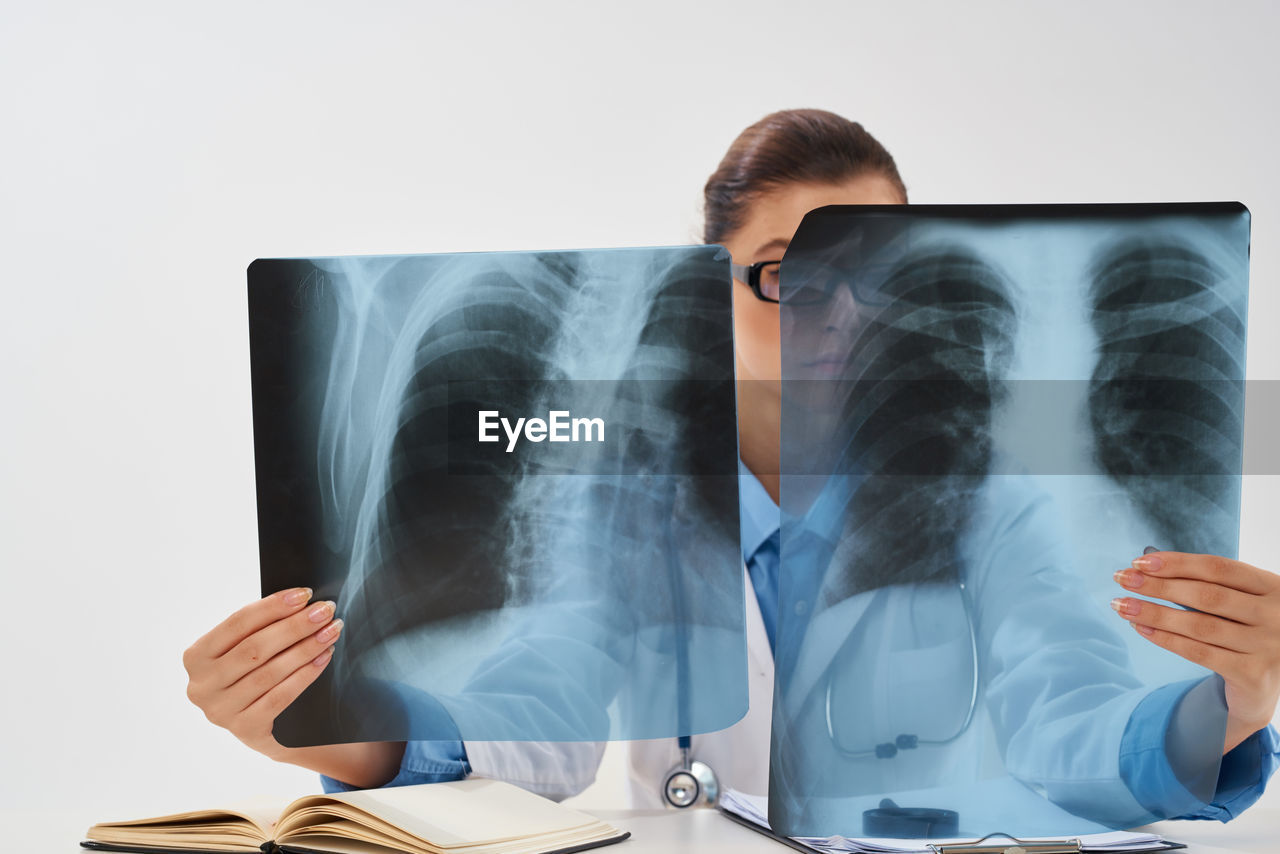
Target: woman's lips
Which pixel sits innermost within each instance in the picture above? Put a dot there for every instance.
(827, 366)
(827, 360)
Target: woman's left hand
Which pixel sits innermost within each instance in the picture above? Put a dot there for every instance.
(1234, 629)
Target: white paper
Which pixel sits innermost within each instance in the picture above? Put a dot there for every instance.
(756, 810)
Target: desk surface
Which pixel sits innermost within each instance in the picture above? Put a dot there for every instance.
(663, 832)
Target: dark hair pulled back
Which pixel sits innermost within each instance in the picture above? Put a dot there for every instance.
(803, 146)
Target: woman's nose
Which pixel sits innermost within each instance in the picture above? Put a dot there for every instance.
(842, 308)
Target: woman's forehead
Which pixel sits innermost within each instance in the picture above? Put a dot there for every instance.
(774, 215)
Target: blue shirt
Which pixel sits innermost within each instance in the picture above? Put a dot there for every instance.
(759, 527)
(1159, 759)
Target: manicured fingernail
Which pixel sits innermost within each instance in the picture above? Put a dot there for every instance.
(1127, 607)
(297, 597)
(1129, 578)
(1148, 563)
(320, 612)
(323, 658)
(329, 632)
(1144, 630)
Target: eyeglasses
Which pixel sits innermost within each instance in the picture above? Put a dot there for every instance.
(814, 285)
(761, 276)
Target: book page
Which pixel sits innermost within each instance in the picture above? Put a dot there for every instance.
(465, 812)
(260, 812)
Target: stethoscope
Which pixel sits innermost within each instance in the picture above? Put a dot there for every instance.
(910, 741)
(693, 782)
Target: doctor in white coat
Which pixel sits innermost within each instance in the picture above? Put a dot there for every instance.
(250, 667)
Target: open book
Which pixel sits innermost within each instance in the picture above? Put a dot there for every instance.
(474, 816)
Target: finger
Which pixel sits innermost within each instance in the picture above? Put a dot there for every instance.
(1215, 658)
(1205, 628)
(1201, 595)
(266, 643)
(249, 619)
(258, 682)
(269, 706)
(1211, 568)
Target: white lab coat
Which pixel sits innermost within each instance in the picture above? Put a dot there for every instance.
(739, 755)
(1042, 659)
(1056, 693)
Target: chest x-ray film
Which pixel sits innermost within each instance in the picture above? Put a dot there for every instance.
(987, 411)
(515, 474)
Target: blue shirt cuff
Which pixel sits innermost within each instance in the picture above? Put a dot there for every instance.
(423, 762)
(1168, 771)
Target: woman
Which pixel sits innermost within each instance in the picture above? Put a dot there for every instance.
(250, 667)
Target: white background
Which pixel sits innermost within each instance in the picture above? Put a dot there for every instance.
(152, 150)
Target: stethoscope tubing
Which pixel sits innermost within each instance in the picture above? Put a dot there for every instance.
(968, 719)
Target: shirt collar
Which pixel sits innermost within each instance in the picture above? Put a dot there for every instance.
(757, 513)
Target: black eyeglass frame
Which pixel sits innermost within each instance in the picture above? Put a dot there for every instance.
(750, 273)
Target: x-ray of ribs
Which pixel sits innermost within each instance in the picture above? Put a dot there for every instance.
(1166, 395)
(928, 367)
(430, 547)
(424, 552)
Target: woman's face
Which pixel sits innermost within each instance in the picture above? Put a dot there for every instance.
(771, 221)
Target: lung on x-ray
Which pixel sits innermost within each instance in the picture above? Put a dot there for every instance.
(516, 475)
(986, 411)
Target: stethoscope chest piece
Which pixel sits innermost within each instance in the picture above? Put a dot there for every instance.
(689, 785)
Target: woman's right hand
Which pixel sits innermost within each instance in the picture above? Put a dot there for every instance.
(247, 669)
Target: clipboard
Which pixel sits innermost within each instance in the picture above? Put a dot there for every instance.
(764, 831)
(978, 846)
(1041, 846)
